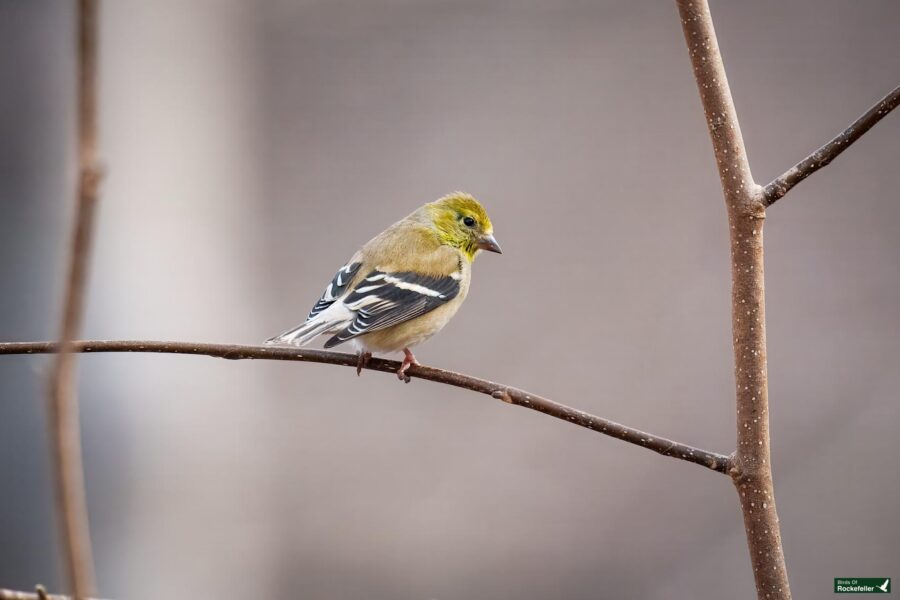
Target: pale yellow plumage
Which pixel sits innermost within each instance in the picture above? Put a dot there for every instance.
(405, 284)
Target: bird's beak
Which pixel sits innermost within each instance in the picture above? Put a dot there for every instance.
(489, 243)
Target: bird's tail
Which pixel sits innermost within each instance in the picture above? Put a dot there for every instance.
(304, 334)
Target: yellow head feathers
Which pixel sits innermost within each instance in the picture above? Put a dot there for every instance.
(461, 222)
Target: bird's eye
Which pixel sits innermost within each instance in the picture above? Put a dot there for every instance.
(469, 222)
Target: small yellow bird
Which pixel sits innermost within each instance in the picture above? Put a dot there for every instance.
(404, 285)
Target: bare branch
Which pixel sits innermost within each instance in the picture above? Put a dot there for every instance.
(752, 468)
(823, 156)
(511, 395)
(65, 435)
(718, 106)
(40, 594)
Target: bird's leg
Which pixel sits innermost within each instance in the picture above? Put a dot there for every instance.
(408, 359)
(362, 361)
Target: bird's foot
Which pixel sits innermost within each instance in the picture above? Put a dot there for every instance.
(362, 361)
(408, 360)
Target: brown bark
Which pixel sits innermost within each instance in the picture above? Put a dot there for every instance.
(752, 468)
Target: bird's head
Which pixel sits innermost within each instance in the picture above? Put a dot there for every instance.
(461, 222)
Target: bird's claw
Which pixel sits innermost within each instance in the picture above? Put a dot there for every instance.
(362, 361)
(408, 360)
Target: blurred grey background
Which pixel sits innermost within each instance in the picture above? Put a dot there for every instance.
(251, 147)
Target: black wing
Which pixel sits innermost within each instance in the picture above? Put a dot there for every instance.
(385, 299)
(336, 288)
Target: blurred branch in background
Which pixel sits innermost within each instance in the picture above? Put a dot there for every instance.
(65, 435)
(510, 395)
(39, 594)
(822, 157)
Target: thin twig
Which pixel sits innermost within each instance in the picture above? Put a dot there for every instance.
(65, 436)
(37, 595)
(511, 395)
(752, 466)
(827, 153)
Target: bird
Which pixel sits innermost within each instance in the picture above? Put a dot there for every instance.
(403, 285)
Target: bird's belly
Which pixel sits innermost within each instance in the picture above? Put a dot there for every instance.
(409, 333)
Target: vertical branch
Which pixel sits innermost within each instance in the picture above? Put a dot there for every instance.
(715, 94)
(751, 470)
(63, 401)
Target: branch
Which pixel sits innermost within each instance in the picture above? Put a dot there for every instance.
(511, 395)
(752, 465)
(39, 594)
(718, 106)
(823, 156)
(65, 435)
